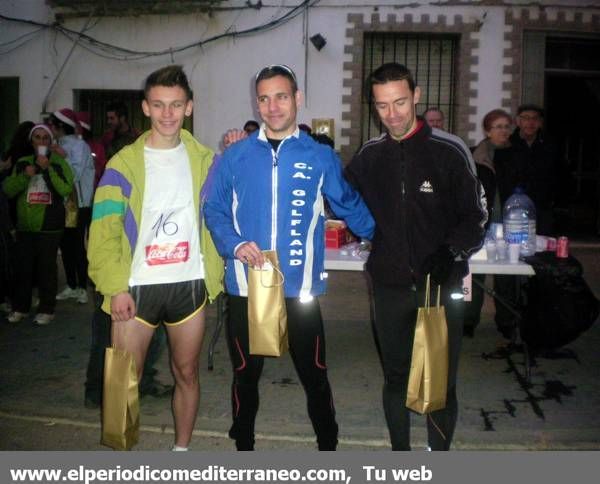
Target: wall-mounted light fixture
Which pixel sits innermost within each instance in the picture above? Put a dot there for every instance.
(318, 41)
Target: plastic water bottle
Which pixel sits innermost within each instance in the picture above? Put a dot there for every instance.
(519, 221)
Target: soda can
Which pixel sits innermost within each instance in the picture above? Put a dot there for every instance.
(562, 247)
(551, 245)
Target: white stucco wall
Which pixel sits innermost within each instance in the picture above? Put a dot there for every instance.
(221, 72)
(491, 62)
(28, 62)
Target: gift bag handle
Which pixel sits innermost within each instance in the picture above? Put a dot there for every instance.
(281, 277)
(427, 290)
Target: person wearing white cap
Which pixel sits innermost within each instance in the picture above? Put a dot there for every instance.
(64, 125)
(39, 183)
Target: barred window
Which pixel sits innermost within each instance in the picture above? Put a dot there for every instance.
(432, 61)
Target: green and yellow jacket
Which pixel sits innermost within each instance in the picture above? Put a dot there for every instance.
(40, 217)
(117, 213)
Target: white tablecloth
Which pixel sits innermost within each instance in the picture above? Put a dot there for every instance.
(343, 260)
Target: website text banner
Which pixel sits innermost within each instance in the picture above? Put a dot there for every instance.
(303, 467)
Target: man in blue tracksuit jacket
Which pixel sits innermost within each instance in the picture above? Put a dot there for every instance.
(267, 193)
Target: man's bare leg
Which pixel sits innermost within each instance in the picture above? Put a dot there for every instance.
(134, 337)
(185, 342)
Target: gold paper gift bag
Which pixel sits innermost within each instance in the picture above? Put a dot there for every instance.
(120, 403)
(428, 378)
(267, 318)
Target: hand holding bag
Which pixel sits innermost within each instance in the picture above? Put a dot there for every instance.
(428, 378)
(120, 405)
(267, 317)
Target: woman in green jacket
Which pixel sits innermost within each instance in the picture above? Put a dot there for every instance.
(40, 183)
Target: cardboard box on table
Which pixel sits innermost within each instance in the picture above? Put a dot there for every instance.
(336, 234)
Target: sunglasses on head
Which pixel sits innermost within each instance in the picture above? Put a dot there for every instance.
(277, 68)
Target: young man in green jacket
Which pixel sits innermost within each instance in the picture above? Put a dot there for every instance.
(150, 256)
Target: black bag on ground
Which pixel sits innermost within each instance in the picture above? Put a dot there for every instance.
(560, 305)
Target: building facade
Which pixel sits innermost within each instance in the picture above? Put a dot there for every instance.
(468, 56)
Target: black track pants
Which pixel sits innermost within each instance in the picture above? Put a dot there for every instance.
(395, 319)
(307, 349)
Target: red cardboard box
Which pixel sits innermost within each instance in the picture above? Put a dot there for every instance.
(336, 234)
(335, 238)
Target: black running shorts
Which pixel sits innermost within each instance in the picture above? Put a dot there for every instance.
(171, 304)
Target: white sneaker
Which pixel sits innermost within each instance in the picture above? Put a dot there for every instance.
(16, 317)
(67, 293)
(82, 297)
(42, 319)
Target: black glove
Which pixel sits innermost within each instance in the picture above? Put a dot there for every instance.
(439, 265)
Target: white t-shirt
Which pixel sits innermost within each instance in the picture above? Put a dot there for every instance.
(38, 192)
(168, 245)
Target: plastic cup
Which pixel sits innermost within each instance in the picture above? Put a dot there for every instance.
(497, 231)
(513, 253)
(490, 249)
(501, 249)
(42, 150)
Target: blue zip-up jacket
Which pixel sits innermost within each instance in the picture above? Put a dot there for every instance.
(276, 200)
(81, 162)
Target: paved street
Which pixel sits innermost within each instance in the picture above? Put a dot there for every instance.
(43, 370)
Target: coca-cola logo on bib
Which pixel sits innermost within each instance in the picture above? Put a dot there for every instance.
(167, 253)
(44, 198)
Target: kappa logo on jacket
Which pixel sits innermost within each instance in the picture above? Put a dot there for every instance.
(426, 187)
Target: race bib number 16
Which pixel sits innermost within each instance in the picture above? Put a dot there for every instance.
(162, 251)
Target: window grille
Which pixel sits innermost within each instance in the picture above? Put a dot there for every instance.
(432, 61)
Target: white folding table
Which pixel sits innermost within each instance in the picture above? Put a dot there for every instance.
(343, 260)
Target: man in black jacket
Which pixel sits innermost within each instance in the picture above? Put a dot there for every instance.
(427, 203)
(543, 164)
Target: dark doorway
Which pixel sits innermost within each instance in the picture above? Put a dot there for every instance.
(95, 102)
(572, 100)
(9, 114)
